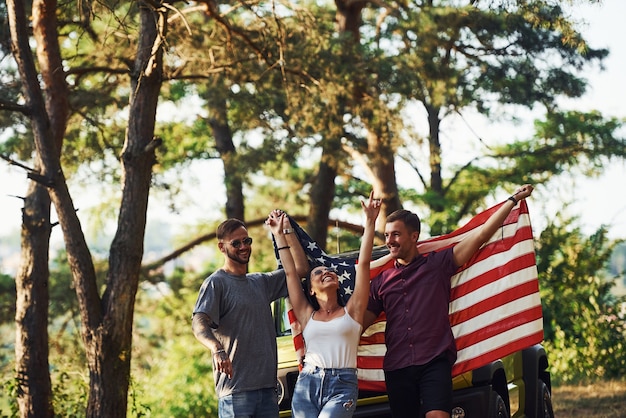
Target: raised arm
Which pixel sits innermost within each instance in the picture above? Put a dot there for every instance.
(278, 223)
(465, 249)
(297, 252)
(358, 302)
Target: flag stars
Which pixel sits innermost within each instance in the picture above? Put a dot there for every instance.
(312, 246)
(347, 290)
(344, 276)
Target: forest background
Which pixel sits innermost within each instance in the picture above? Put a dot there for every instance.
(114, 112)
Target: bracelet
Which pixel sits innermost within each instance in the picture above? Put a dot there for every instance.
(288, 231)
(219, 351)
(512, 199)
(283, 248)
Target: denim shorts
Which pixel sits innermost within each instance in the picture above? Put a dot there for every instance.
(261, 403)
(325, 393)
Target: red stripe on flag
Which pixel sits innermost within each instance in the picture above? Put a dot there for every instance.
(376, 271)
(292, 316)
(298, 341)
(372, 385)
(369, 362)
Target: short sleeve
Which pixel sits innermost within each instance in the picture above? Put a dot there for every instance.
(208, 301)
(277, 284)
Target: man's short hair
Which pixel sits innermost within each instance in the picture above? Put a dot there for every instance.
(410, 219)
(228, 227)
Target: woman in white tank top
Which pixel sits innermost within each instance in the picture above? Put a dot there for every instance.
(327, 384)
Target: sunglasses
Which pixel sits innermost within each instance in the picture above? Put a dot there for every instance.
(237, 243)
(324, 269)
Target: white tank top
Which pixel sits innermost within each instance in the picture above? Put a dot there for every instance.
(332, 344)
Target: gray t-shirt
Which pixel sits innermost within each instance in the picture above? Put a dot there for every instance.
(239, 307)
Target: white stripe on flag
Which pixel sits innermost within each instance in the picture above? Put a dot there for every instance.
(366, 350)
(372, 375)
(374, 329)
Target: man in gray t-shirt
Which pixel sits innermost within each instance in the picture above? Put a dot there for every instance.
(232, 317)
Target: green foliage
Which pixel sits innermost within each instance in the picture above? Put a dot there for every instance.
(584, 322)
(7, 299)
(8, 403)
(165, 351)
(564, 142)
(70, 388)
(567, 141)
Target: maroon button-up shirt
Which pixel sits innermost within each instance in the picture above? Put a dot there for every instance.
(415, 299)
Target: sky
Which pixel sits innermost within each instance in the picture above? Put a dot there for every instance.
(603, 200)
(597, 201)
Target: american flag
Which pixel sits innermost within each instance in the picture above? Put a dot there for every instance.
(495, 309)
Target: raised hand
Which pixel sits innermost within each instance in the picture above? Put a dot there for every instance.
(275, 221)
(523, 192)
(371, 208)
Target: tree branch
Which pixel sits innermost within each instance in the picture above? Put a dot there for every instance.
(14, 107)
(148, 270)
(13, 162)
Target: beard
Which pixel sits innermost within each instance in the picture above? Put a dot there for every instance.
(241, 258)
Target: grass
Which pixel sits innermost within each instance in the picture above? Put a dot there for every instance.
(597, 400)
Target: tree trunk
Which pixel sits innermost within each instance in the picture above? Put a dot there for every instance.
(218, 119)
(31, 348)
(380, 151)
(348, 20)
(322, 193)
(383, 169)
(109, 350)
(107, 323)
(34, 397)
(436, 182)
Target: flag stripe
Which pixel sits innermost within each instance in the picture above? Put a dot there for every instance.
(491, 305)
(519, 268)
(498, 346)
(376, 338)
(375, 381)
(500, 340)
(495, 328)
(369, 362)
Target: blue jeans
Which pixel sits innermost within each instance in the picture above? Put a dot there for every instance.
(261, 403)
(325, 393)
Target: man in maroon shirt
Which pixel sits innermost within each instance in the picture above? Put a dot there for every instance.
(415, 294)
